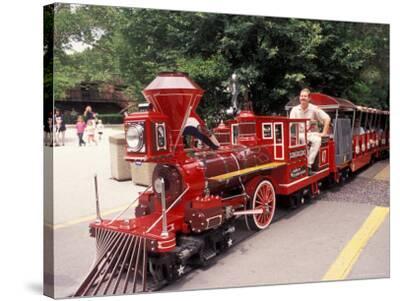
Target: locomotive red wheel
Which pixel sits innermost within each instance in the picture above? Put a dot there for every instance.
(263, 198)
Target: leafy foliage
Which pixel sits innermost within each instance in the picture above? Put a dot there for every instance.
(274, 57)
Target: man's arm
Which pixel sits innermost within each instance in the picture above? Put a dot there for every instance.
(326, 126)
(326, 121)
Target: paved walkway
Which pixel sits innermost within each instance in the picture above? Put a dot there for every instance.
(74, 168)
(299, 247)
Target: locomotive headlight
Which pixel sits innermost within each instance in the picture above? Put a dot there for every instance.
(134, 137)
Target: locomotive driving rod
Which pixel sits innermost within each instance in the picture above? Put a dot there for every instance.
(246, 212)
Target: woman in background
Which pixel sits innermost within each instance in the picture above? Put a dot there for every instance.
(60, 128)
(88, 114)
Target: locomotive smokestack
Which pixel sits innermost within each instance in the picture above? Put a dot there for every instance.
(174, 94)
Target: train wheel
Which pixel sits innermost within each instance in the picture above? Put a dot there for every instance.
(263, 198)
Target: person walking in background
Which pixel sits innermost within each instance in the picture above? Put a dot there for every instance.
(60, 128)
(88, 114)
(73, 114)
(48, 130)
(80, 129)
(100, 128)
(91, 131)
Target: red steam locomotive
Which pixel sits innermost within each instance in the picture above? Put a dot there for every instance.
(187, 216)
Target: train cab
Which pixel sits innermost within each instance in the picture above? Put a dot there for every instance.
(337, 146)
(359, 133)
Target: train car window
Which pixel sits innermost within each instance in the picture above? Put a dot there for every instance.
(366, 121)
(386, 122)
(383, 122)
(373, 120)
(235, 133)
(373, 125)
(357, 127)
(379, 122)
(267, 130)
(278, 133)
(294, 135)
(363, 119)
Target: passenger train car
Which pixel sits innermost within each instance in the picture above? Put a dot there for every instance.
(188, 215)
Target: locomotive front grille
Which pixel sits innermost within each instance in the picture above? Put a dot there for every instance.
(120, 266)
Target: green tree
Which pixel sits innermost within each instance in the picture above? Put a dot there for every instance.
(274, 57)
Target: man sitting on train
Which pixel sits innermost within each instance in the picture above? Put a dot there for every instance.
(309, 111)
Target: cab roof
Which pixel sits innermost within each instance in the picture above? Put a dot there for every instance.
(325, 102)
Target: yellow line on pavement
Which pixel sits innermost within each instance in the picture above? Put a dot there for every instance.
(384, 174)
(343, 264)
(85, 218)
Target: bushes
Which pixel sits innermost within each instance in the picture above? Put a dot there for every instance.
(68, 119)
(111, 118)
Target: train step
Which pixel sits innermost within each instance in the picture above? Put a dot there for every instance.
(208, 254)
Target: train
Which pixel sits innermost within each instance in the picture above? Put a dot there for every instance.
(189, 213)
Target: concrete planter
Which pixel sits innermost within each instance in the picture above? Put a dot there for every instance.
(142, 175)
(120, 169)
